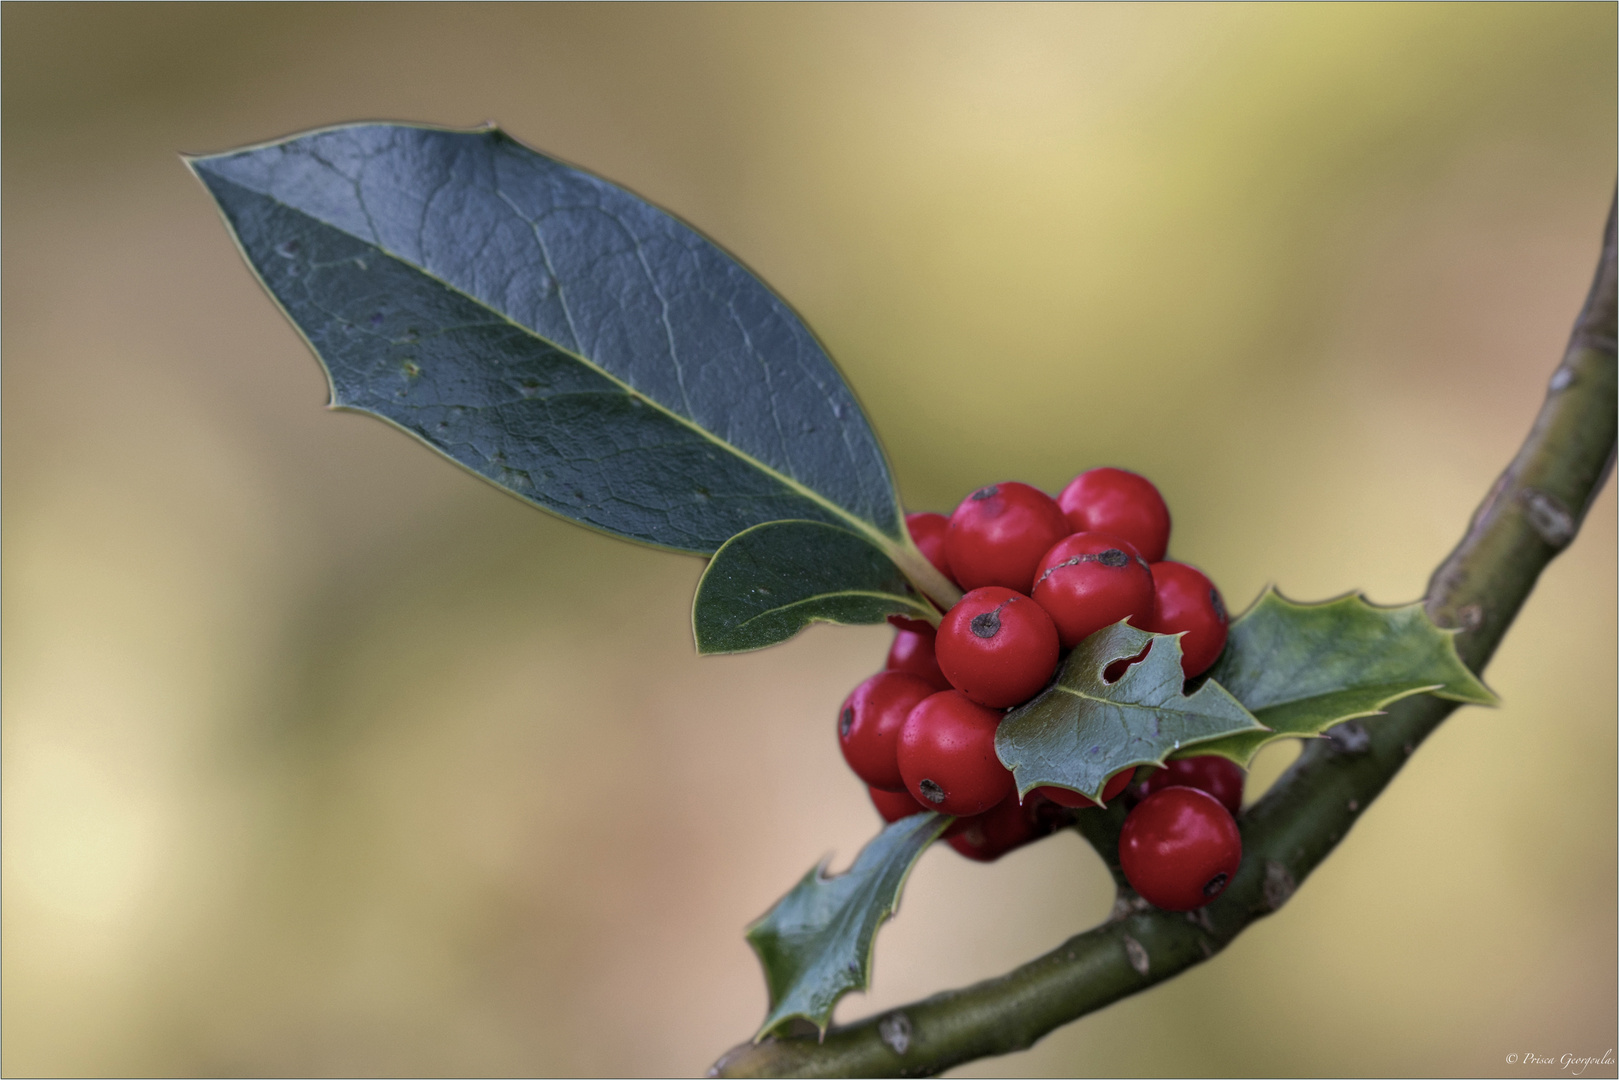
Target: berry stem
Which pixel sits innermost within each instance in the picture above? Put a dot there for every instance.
(926, 577)
(1530, 514)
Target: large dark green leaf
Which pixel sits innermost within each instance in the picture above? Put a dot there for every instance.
(1303, 667)
(815, 944)
(1082, 729)
(555, 334)
(768, 583)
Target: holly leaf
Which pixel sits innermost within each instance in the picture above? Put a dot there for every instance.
(815, 945)
(766, 584)
(1082, 729)
(1302, 668)
(555, 334)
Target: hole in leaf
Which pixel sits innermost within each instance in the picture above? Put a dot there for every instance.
(1115, 671)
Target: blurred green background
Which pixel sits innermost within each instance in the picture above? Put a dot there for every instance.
(322, 757)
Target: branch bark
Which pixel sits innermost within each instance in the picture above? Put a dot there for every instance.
(1531, 513)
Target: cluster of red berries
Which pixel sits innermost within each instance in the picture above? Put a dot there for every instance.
(1041, 575)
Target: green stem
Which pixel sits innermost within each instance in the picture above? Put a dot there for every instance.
(1531, 513)
(925, 576)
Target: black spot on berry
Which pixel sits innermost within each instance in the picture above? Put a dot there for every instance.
(1113, 557)
(986, 493)
(1218, 604)
(933, 793)
(987, 624)
(846, 721)
(1215, 886)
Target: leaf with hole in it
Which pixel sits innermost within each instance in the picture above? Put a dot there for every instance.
(555, 334)
(766, 584)
(815, 945)
(1082, 729)
(1303, 667)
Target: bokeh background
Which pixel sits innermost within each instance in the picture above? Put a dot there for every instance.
(322, 757)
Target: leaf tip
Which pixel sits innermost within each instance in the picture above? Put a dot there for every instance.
(1473, 692)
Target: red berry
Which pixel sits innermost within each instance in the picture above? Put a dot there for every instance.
(928, 531)
(1180, 848)
(997, 646)
(869, 723)
(893, 805)
(1189, 601)
(1091, 580)
(1220, 777)
(947, 755)
(996, 831)
(1121, 503)
(1074, 800)
(998, 534)
(912, 653)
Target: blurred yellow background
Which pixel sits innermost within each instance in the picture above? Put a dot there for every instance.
(322, 757)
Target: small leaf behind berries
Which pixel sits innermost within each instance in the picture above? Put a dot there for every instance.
(769, 582)
(815, 945)
(1303, 667)
(1081, 730)
(554, 333)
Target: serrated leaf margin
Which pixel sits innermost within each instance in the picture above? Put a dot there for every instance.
(935, 824)
(1131, 641)
(1472, 690)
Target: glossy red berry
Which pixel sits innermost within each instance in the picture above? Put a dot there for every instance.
(1006, 826)
(893, 805)
(998, 534)
(1074, 800)
(1091, 580)
(912, 653)
(997, 646)
(928, 531)
(947, 755)
(869, 724)
(1121, 503)
(1180, 848)
(1220, 777)
(1187, 600)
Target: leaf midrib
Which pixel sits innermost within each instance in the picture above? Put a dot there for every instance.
(1362, 688)
(822, 596)
(1395, 690)
(1137, 704)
